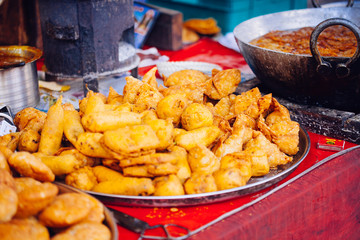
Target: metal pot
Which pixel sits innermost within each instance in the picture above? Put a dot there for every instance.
(304, 78)
(18, 77)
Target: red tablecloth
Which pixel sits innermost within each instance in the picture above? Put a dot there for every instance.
(194, 217)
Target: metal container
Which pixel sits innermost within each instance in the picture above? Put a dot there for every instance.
(303, 78)
(18, 77)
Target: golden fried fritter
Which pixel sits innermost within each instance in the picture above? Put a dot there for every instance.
(27, 228)
(184, 77)
(202, 159)
(85, 230)
(8, 203)
(200, 183)
(168, 186)
(29, 165)
(83, 178)
(196, 115)
(223, 83)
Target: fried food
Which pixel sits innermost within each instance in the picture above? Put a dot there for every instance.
(181, 155)
(52, 132)
(89, 144)
(200, 136)
(109, 120)
(184, 77)
(10, 140)
(164, 131)
(82, 178)
(130, 139)
(114, 97)
(206, 26)
(147, 98)
(27, 228)
(103, 174)
(194, 92)
(150, 159)
(202, 159)
(62, 164)
(229, 178)
(239, 160)
(29, 165)
(223, 83)
(30, 118)
(8, 203)
(200, 183)
(3, 162)
(171, 107)
(72, 127)
(85, 230)
(66, 209)
(150, 78)
(96, 212)
(29, 140)
(126, 186)
(168, 186)
(196, 115)
(189, 36)
(7, 179)
(33, 196)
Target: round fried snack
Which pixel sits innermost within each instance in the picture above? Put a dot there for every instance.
(83, 178)
(96, 212)
(195, 116)
(66, 209)
(7, 179)
(85, 230)
(28, 165)
(28, 228)
(33, 196)
(186, 76)
(8, 203)
(29, 140)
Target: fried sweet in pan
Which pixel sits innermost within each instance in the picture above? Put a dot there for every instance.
(202, 159)
(27, 228)
(30, 118)
(29, 140)
(8, 203)
(66, 209)
(131, 139)
(223, 83)
(33, 196)
(10, 140)
(200, 136)
(126, 186)
(29, 165)
(171, 107)
(85, 230)
(196, 115)
(103, 174)
(82, 178)
(89, 144)
(184, 77)
(168, 186)
(52, 132)
(73, 127)
(109, 120)
(200, 183)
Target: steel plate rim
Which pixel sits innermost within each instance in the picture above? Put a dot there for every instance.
(169, 201)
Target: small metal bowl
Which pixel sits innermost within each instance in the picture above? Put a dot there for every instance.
(18, 77)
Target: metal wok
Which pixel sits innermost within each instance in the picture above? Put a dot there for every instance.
(311, 79)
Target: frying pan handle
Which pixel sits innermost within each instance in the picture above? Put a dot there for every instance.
(316, 3)
(342, 69)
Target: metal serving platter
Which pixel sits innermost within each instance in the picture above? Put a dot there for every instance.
(254, 184)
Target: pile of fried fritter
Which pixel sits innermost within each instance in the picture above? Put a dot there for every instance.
(192, 136)
(31, 209)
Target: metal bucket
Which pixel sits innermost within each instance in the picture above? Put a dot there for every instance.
(18, 77)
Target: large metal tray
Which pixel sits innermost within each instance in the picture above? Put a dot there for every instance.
(255, 184)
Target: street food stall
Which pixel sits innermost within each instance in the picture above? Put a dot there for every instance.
(200, 141)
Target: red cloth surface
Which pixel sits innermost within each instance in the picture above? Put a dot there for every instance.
(207, 50)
